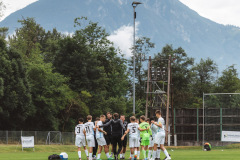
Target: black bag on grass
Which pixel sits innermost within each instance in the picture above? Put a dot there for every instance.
(54, 156)
(207, 146)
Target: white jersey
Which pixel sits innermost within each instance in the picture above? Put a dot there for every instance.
(98, 133)
(89, 128)
(79, 130)
(161, 121)
(154, 129)
(133, 129)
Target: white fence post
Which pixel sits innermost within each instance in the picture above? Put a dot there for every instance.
(175, 139)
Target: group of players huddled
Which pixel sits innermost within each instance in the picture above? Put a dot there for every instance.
(149, 135)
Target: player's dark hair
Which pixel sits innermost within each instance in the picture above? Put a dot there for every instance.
(143, 117)
(148, 120)
(80, 119)
(133, 119)
(89, 117)
(122, 115)
(109, 113)
(152, 119)
(158, 112)
(115, 115)
(97, 119)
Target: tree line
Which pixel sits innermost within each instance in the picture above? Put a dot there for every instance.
(49, 79)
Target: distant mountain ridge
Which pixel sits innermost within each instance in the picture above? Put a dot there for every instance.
(164, 21)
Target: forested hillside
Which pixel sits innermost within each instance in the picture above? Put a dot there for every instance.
(49, 79)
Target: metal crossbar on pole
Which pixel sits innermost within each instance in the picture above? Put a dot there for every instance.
(207, 94)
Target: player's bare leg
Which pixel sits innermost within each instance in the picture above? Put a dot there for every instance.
(99, 152)
(144, 150)
(106, 150)
(79, 153)
(138, 152)
(158, 152)
(149, 152)
(122, 153)
(86, 151)
(90, 153)
(132, 150)
(165, 152)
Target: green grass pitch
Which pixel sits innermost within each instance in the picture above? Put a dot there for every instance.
(12, 152)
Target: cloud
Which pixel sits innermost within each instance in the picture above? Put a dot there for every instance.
(12, 6)
(220, 11)
(123, 38)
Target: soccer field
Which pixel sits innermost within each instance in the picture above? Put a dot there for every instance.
(11, 152)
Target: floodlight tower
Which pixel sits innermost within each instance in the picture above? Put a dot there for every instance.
(134, 4)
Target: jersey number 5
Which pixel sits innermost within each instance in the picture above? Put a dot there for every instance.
(134, 130)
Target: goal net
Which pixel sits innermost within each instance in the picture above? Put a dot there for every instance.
(221, 118)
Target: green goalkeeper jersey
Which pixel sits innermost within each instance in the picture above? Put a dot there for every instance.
(145, 135)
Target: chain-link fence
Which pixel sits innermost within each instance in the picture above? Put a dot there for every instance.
(40, 137)
(221, 114)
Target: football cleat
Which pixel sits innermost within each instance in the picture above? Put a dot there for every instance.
(135, 157)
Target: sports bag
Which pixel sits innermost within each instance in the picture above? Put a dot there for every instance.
(54, 156)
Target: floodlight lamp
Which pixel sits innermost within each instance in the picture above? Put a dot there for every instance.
(134, 4)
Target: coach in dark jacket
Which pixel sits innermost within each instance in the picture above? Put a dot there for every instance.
(117, 127)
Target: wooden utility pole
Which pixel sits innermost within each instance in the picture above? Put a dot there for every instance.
(172, 107)
(148, 80)
(168, 96)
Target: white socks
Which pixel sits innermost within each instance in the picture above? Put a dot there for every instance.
(121, 155)
(149, 154)
(86, 151)
(79, 154)
(135, 152)
(154, 154)
(90, 156)
(166, 153)
(98, 156)
(107, 154)
(138, 153)
(158, 153)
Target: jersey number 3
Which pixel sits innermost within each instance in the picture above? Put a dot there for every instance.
(78, 130)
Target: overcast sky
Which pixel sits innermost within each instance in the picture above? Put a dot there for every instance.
(220, 11)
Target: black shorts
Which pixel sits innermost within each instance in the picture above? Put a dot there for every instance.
(124, 142)
(108, 139)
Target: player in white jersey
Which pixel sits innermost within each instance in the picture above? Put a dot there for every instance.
(132, 129)
(89, 130)
(137, 151)
(154, 129)
(80, 137)
(160, 136)
(100, 138)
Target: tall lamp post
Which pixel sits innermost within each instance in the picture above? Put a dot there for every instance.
(134, 4)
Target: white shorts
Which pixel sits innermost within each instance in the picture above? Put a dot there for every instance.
(152, 142)
(134, 142)
(160, 138)
(101, 141)
(138, 142)
(80, 141)
(90, 141)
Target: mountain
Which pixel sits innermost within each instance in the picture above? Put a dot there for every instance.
(164, 21)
